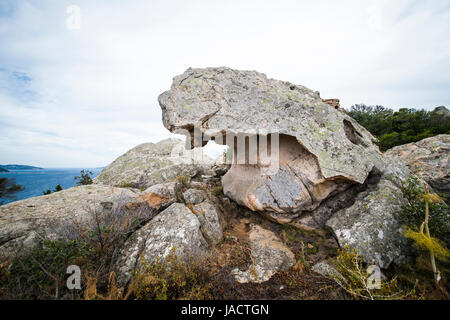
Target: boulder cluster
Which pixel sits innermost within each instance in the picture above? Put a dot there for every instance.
(296, 159)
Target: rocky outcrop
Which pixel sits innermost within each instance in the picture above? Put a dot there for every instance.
(371, 225)
(175, 228)
(24, 223)
(269, 254)
(442, 112)
(153, 163)
(321, 151)
(323, 170)
(429, 158)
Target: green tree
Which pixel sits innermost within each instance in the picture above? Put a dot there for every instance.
(84, 178)
(400, 127)
(58, 188)
(46, 192)
(8, 188)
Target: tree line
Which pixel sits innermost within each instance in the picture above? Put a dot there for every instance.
(393, 128)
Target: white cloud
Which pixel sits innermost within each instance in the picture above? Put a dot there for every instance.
(93, 91)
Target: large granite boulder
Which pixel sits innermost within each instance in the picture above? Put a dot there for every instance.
(371, 225)
(24, 223)
(175, 228)
(429, 158)
(153, 163)
(321, 151)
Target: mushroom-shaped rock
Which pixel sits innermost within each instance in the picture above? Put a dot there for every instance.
(291, 150)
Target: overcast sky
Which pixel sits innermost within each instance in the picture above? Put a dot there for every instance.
(81, 97)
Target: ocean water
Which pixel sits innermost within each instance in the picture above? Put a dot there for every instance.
(37, 181)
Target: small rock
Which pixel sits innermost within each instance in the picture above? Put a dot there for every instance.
(209, 219)
(270, 255)
(326, 270)
(159, 196)
(193, 196)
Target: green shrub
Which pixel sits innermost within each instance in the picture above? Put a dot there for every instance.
(354, 278)
(8, 188)
(217, 190)
(393, 128)
(40, 273)
(84, 178)
(170, 278)
(413, 212)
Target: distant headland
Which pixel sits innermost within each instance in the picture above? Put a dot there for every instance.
(7, 167)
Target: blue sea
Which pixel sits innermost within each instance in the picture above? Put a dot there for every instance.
(36, 181)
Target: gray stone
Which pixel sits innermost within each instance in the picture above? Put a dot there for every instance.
(194, 196)
(428, 158)
(442, 111)
(269, 254)
(174, 228)
(159, 196)
(326, 270)
(210, 222)
(24, 223)
(371, 225)
(153, 163)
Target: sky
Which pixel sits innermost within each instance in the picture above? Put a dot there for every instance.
(79, 80)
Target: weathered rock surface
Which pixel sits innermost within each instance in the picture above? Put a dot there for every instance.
(372, 225)
(176, 227)
(429, 158)
(159, 196)
(322, 150)
(193, 196)
(23, 223)
(211, 225)
(153, 163)
(269, 254)
(326, 270)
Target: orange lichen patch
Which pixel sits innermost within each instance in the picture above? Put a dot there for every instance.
(335, 103)
(133, 205)
(154, 200)
(191, 207)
